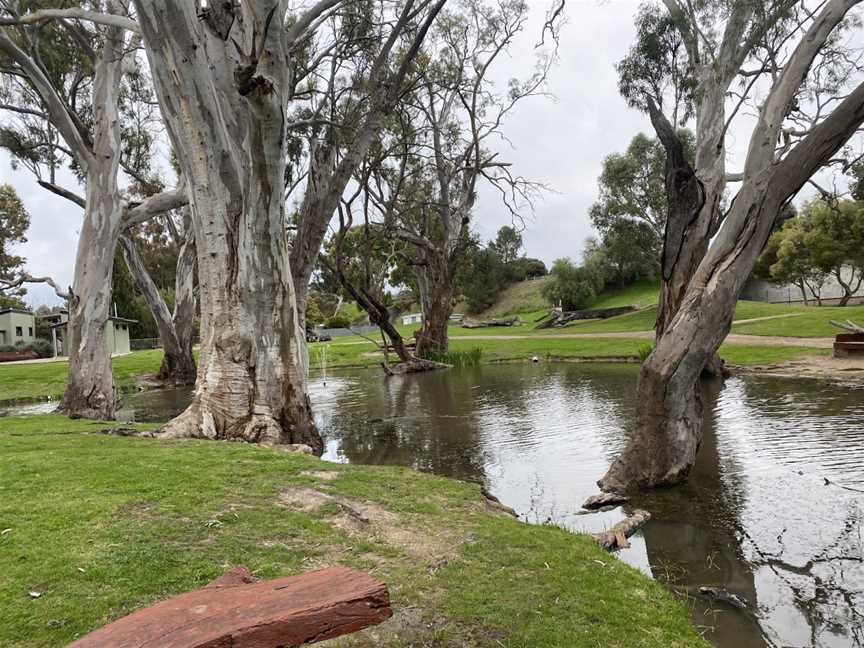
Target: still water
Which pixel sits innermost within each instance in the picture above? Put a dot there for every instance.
(772, 511)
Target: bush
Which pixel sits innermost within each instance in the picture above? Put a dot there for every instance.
(42, 347)
(7, 348)
(571, 286)
(338, 321)
(645, 350)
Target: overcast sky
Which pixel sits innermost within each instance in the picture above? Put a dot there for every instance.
(560, 142)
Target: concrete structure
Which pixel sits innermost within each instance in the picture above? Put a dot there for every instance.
(16, 326)
(116, 333)
(413, 318)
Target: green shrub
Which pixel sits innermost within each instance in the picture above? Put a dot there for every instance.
(7, 348)
(645, 350)
(42, 347)
(338, 321)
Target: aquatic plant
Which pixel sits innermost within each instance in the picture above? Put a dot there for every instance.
(459, 359)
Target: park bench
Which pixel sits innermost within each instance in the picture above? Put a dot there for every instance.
(848, 345)
(239, 612)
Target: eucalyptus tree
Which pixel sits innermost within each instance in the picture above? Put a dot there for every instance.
(226, 75)
(175, 325)
(14, 222)
(63, 83)
(360, 61)
(792, 60)
(447, 128)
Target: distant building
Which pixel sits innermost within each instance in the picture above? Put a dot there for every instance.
(116, 332)
(16, 325)
(756, 289)
(413, 318)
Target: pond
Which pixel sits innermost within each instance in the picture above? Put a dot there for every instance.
(772, 512)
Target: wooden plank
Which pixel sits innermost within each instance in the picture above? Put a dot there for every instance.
(232, 611)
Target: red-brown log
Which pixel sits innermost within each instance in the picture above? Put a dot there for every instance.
(232, 611)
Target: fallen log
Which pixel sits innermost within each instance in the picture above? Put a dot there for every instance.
(616, 537)
(564, 318)
(236, 611)
(473, 324)
(848, 325)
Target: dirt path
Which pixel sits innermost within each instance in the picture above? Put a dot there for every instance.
(733, 338)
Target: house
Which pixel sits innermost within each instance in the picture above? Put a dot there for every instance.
(116, 333)
(16, 325)
(414, 318)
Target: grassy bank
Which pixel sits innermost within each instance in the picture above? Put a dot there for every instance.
(42, 380)
(353, 352)
(100, 525)
(39, 381)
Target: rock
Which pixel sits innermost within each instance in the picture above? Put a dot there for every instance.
(604, 499)
(232, 611)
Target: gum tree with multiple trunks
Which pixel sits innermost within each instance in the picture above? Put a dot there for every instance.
(810, 101)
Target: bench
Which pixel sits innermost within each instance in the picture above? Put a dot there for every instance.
(849, 345)
(239, 612)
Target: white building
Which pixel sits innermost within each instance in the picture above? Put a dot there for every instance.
(116, 332)
(413, 318)
(16, 325)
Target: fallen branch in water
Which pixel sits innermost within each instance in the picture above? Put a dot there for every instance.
(616, 537)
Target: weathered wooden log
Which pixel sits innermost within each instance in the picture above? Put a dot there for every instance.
(238, 612)
(472, 324)
(604, 499)
(561, 319)
(848, 325)
(616, 537)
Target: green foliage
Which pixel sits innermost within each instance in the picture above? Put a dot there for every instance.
(485, 276)
(527, 268)
(314, 316)
(644, 351)
(571, 286)
(657, 61)
(338, 321)
(14, 221)
(826, 238)
(42, 347)
(507, 244)
(459, 359)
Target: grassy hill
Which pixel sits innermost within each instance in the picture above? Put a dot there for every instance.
(522, 297)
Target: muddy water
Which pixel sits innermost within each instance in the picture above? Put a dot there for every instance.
(772, 512)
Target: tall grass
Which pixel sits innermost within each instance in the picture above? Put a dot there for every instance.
(459, 359)
(644, 351)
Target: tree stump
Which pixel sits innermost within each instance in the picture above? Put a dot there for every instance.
(236, 611)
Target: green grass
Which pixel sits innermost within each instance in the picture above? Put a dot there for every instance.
(809, 321)
(354, 352)
(523, 297)
(48, 379)
(102, 525)
(640, 294)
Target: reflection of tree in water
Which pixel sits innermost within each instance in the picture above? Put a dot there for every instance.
(787, 543)
(692, 539)
(425, 421)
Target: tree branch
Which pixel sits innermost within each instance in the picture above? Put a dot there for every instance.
(63, 193)
(44, 15)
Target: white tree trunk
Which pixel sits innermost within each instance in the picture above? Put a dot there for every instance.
(90, 389)
(226, 119)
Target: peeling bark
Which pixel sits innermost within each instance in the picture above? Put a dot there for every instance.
(225, 114)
